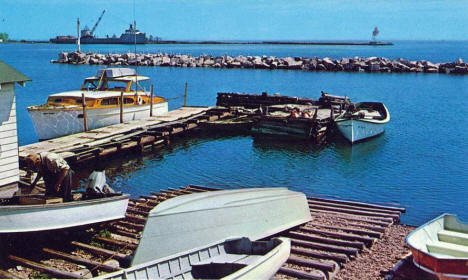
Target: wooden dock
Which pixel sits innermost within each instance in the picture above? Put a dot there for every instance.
(140, 134)
(339, 231)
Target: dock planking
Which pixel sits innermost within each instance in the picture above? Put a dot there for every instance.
(107, 140)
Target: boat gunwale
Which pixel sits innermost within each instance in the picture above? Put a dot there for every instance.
(41, 108)
(421, 227)
(7, 208)
(342, 118)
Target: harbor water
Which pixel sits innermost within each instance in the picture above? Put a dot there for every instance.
(420, 162)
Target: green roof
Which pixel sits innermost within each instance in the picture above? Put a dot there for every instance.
(9, 74)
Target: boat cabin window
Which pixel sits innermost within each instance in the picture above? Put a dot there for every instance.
(57, 100)
(105, 85)
(110, 101)
(113, 85)
(128, 100)
(79, 101)
(90, 85)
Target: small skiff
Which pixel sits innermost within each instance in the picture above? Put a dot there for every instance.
(38, 217)
(237, 258)
(363, 120)
(440, 247)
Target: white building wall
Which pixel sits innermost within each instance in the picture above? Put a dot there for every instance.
(9, 162)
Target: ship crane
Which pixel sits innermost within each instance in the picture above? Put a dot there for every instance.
(97, 22)
(90, 33)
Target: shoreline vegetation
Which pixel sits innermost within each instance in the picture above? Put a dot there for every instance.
(356, 64)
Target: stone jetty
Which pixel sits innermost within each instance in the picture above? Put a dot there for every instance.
(356, 64)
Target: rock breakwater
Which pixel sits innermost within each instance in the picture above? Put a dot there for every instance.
(356, 64)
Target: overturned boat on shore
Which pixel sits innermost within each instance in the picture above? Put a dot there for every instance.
(39, 213)
(237, 258)
(363, 120)
(440, 247)
(197, 220)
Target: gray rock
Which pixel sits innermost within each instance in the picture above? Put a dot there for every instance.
(321, 67)
(374, 67)
(328, 63)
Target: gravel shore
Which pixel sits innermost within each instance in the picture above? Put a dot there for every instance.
(374, 263)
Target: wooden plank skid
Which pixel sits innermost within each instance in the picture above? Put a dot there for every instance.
(346, 229)
(326, 240)
(324, 266)
(179, 191)
(129, 225)
(45, 268)
(89, 263)
(202, 188)
(135, 219)
(346, 236)
(362, 204)
(356, 212)
(137, 211)
(101, 251)
(126, 233)
(355, 218)
(380, 220)
(7, 275)
(117, 242)
(325, 247)
(345, 206)
(145, 207)
(338, 257)
(301, 274)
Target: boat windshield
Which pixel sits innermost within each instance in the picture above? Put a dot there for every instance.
(106, 85)
(143, 85)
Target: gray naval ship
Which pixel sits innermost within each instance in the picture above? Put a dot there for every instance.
(130, 36)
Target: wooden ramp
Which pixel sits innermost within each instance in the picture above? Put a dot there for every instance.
(107, 140)
(339, 230)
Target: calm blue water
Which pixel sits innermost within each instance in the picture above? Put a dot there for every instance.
(420, 162)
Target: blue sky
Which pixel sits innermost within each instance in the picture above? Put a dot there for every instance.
(242, 19)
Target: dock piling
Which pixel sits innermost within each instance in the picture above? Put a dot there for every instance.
(151, 100)
(121, 106)
(85, 118)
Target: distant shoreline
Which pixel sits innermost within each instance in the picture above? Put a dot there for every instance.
(166, 42)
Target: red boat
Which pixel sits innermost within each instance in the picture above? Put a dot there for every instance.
(440, 247)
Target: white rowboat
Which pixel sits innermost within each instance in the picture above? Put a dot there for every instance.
(39, 217)
(231, 259)
(367, 120)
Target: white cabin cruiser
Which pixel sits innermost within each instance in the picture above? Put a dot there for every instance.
(63, 112)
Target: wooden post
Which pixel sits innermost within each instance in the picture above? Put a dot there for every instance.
(151, 100)
(121, 106)
(85, 118)
(185, 95)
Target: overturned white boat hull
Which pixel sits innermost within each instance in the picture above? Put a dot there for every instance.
(231, 259)
(196, 220)
(53, 123)
(27, 218)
